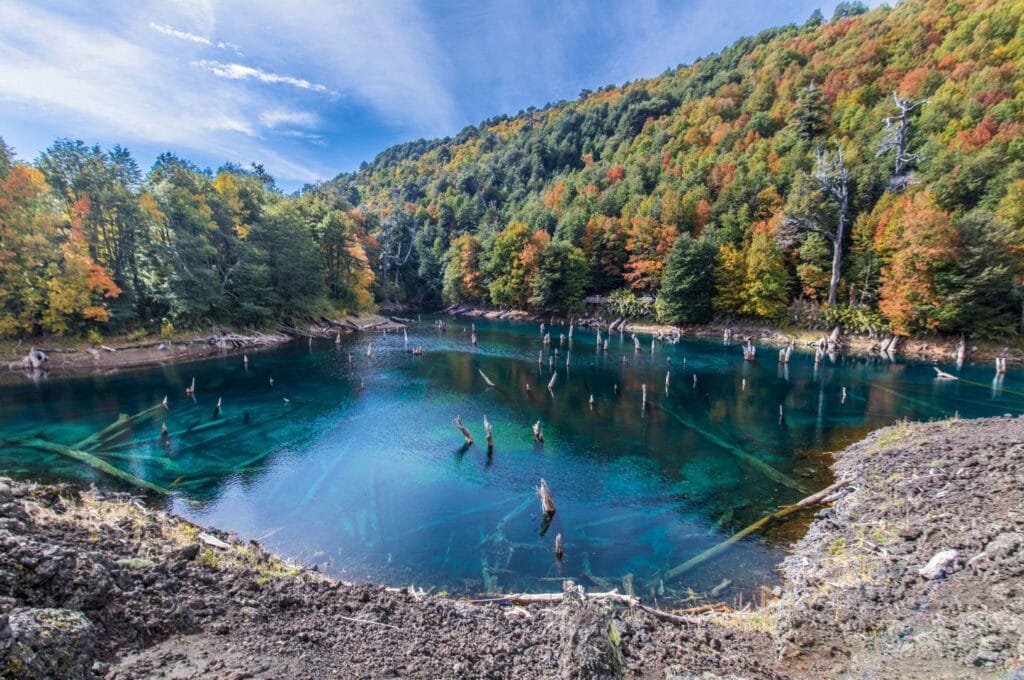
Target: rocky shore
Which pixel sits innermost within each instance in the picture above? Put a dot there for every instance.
(915, 571)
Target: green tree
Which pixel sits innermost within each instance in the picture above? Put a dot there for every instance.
(688, 284)
(559, 283)
(508, 271)
(810, 116)
(766, 287)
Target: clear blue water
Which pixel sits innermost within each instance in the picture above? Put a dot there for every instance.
(375, 483)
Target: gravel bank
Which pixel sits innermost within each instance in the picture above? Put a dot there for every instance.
(98, 585)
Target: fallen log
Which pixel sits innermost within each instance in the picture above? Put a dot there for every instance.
(94, 462)
(813, 499)
(123, 421)
(487, 380)
(555, 598)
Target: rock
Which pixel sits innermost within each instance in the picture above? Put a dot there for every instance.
(5, 491)
(938, 564)
(47, 643)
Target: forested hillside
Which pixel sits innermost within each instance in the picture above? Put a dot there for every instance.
(891, 137)
(867, 169)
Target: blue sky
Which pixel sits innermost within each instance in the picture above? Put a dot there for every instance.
(315, 87)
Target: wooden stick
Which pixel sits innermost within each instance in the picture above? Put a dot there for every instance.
(778, 514)
(462, 428)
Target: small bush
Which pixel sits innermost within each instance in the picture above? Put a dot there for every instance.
(856, 319)
(624, 303)
(166, 329)
(94, 336)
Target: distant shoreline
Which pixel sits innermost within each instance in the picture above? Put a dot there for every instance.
(932, 348)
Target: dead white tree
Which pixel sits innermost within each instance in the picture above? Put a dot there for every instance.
(897, 140)
(833, 180)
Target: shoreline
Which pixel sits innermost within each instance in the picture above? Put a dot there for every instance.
(925, 348)
(886, 581)
(80, 357)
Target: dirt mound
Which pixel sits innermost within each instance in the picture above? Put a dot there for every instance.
(919, 570)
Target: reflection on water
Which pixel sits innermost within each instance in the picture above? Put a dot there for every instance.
(374, 482)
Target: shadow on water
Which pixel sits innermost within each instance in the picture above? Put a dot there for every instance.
(357, 466)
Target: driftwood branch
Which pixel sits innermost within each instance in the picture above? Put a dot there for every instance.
(778, 514)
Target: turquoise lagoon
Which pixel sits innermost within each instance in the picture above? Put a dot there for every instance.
(354, 464)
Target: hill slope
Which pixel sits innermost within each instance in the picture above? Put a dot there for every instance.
(590, 196)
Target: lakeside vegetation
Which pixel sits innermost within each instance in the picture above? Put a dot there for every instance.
(865, 170)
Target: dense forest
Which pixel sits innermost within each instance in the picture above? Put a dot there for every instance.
(867, 170)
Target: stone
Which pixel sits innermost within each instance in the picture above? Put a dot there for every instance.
(47, 643)
(938, 564)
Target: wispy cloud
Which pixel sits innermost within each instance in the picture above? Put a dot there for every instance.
(277, 118)
(192, 37)
(242, 72)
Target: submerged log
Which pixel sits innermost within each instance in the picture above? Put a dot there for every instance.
(487, 380)
(114, 429)
(94, 462)
(554, 379)
(538, 436)
(462, 428)
(559, 552)
(813, 499)
(942, 375)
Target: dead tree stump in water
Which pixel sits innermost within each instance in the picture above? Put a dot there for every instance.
(559, 552)
(462, 428)
(538, 436)
(547, 503)
(490, 434)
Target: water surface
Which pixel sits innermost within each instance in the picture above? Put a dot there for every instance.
(355, 465)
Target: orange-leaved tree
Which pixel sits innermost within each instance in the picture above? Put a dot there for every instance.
(77, 286)
(921, 243)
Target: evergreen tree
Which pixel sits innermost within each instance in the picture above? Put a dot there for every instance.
(559, 283)
(810, 117)
(687, 284)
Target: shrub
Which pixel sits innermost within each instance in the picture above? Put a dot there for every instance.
(624, 303)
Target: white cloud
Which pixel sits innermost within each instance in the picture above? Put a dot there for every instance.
(279, 117)
(242, 72)
(192, 37)
(181, 35)
(381, 52)
(89, 82)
